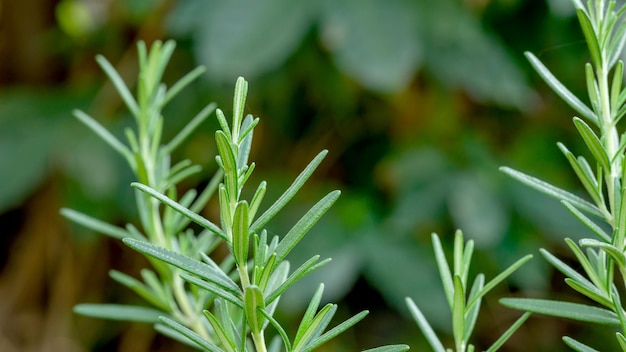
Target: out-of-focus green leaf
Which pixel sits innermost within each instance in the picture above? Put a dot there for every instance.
(577, 345)
(119, 312)
(389, 348)
(248, 37)
(423, 324)
(569, 310)
(391, 269)
(462, 53)
(477, 209)
(375, 42)
(30, 135)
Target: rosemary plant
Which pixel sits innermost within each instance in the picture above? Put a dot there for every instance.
(603, 260)
(464, 300)
(227, 306)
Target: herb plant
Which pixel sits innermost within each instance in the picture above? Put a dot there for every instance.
(225, 306)
(602, 258)
(463, 299)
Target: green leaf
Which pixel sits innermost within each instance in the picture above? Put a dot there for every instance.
(616, 86)
(227, 342)
(119, 84)
(458, 312)
(241, 236)
(444, 269)
(423, 324)
(590, 38)
(229, 163)
(587, 222)
(508, 333)
(105, 135)
(592, 89)
(306, 268)
(215, 288)
(191, 335)
(568, 310)
(198, 219)
(499, 278)
(389, 348)
(174, 335)
(621, 340)
(560, 89)
(553, 191)
(253, 301)
(309, 327)
(458, 255)
(207, 193)
(182, 83)
(239, 103)
(245, 144)
(288, 194)
(226, 319)
(119, 312)
(221, 119)
(95, 224)
(577, 346)
(488, 72)
(334, 332)
(467, 259)
(584, 262)
(264, 275)
(586, 176)
(611, 250)
(140, 289)
(593, 143)
(279, 328)
(471, 314)
(225, 49)
(185, 263)
(304, 225)
(587, 289)
(564, 268)
(309, 314)
(257, 199)
(154, 283)
(620, 216)
(189, 128)
(377, 43)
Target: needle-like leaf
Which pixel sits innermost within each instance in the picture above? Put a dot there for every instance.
(561, 309)
(560, 89)
(553, 191)
(423, 324)
(119, 312)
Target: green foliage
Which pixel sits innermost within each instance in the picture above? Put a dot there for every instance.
(603, 263)
(215, 307)
(380, 45)
(463, 299)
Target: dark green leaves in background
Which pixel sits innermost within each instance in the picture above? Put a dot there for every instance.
(379, 44)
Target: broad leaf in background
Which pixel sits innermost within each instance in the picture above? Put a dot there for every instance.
(375, 42)
(248, 37)
(30, 132)
(463, 54)
(380, 44)
(477, 208)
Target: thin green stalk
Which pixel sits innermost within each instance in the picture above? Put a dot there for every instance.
(259, 341)
(190, 314)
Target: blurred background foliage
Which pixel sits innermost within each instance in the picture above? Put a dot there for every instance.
(418, 101)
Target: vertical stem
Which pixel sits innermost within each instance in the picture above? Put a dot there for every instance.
(610, 137)
(259, 341)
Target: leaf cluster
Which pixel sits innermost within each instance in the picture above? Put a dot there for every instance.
(463, 299)
(225, 306)
(601, 258)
